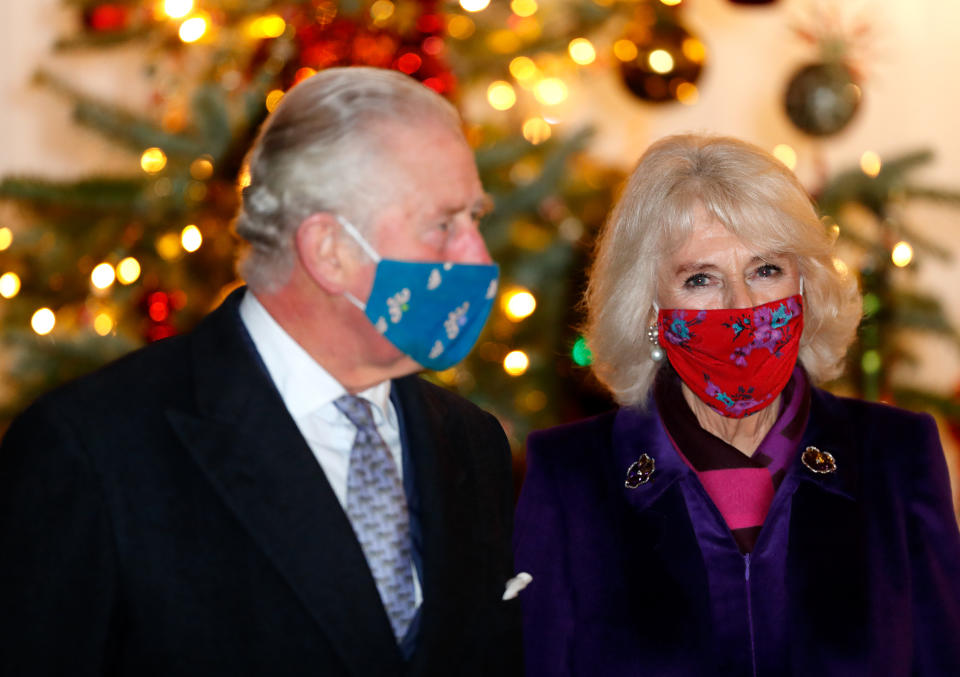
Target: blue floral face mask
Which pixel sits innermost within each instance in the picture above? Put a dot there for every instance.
(431, 311)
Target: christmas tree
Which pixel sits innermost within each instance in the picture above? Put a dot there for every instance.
(92, 268)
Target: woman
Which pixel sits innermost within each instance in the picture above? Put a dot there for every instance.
(730, 518)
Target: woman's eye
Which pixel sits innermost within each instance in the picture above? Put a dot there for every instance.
(768, 270)
(698, 280)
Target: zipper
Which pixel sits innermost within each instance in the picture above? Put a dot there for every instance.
(753, 648)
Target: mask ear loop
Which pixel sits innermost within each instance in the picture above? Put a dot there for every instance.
(365, 246)
(358, 238)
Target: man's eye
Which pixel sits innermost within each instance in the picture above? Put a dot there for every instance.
(698, 280)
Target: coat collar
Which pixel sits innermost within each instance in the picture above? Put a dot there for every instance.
(830, 431)
(249, 447)
(637, 432)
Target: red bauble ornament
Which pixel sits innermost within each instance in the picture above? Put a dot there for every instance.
(106, 18)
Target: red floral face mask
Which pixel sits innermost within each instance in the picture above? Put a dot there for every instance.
(737, 360)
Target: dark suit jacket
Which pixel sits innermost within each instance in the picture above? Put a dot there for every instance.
(855, 573)
(164, 516)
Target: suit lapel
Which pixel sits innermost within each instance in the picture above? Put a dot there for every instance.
(444, 496)
(243, 439)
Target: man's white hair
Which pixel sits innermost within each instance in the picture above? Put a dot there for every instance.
(318, 152)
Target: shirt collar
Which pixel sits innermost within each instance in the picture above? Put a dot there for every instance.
(304, 385)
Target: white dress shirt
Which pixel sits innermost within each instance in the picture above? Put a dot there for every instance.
(308, 392)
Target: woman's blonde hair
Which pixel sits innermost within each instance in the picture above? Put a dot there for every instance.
(759, 200)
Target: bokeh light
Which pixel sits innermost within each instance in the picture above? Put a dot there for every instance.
(661, 61)
(9, 285)
(524, 7)
(625, 50)
(202, 168)
(102, 276)
(518, 304)
(381, 10)
(870, 163)
(177, 9)
(128, 270)
(193, 29)
(581, 51)
(268, 26)
(536, 130)
(550, 91)
(580, 353)
(460, 27)
(902, 254)
(191, 238)
(516, 362)
(786, 154)
(523, 69)
(6, 238)
(103, 324)
(153, 160)
(500, 95)
(474, 5)
(43, 321)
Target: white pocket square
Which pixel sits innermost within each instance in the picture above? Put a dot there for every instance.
(516, 584)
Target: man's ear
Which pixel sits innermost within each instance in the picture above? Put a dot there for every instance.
(324, 255)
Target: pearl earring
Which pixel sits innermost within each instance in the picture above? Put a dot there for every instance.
(656, 352)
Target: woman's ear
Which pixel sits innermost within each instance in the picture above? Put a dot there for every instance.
(324, 255)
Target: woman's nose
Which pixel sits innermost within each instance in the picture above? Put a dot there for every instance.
(737, 295)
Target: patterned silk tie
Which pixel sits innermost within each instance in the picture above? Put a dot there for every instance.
(377, 508)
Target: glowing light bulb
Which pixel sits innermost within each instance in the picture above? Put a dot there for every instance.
(474, 5)
(9, 285)
(516, 362)
(550, 91)
(128, 270)
(660, 61)
(500, 95)
(581, 51)
(103, 324)
(191, 238)
(193, 29)
(518, 304)
(102, 276)
(786, 155)
(43, 321)
(153, 160)
(6, 238)
(870, 163)
(902, 254)
(177, 9)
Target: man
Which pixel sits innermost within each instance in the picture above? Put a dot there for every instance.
(275, 493)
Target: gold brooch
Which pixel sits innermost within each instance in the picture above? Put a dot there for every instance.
(640, 472)
(820, 462)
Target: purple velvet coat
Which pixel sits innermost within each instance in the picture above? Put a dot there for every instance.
(856, 572)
